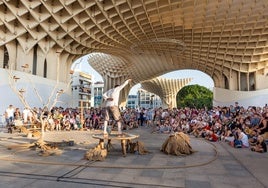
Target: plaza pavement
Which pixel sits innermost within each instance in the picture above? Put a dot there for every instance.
(213, 165)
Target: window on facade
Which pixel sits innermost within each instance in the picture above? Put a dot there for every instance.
(6, 58)
(243, 82)
(252, 81)
(35, 60)
(45, 69)
(226, 82)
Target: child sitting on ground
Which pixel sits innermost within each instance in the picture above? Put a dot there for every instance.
(260, 145)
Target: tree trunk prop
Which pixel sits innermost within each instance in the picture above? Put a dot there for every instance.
(44, 148)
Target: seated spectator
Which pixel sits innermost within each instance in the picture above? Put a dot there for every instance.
(185, 126)
(165, 128)
(211, 136)
(252, 137)
(228, 135)
(255, 120)
(241, 139)
(262, 127)
(156, 128)
(66, 125)
(260, 145)
(87, 123)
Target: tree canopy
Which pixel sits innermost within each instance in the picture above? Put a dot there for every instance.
(195, 96)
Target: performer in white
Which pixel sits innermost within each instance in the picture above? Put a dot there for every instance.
(111, 99)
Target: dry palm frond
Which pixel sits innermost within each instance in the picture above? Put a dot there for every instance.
(178, 144)
(96, 154)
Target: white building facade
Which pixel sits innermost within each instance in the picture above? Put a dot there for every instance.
(148, 100)
(82, 87)
(132, 101)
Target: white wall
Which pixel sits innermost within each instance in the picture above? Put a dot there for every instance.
(224, 97)
(30, 83)
(44, 87)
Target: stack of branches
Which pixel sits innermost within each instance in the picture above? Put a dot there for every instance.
(177, 144)
(46, 149)
(96, 154)
(137, 147)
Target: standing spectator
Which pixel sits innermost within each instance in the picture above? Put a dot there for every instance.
(150, 116)
(73, 122)
(78, 121)
(142, 117)
(25, 115)
(57, 118)
(9, 114)
(126, 117)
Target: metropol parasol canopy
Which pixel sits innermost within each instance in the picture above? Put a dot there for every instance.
(143, 39)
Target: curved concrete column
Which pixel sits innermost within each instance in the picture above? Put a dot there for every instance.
(166, 89)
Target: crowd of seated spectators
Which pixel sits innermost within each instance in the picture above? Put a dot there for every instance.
(240, 127)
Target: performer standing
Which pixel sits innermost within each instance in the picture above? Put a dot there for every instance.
(111, 99)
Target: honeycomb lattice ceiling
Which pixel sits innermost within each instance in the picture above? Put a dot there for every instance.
(143, 39)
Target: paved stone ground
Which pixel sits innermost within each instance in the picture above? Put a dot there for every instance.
(213, 165)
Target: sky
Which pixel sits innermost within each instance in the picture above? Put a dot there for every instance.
(199, 77)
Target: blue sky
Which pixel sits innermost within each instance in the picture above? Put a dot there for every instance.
(199, 77)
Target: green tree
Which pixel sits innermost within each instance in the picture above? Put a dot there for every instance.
(195, 96)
